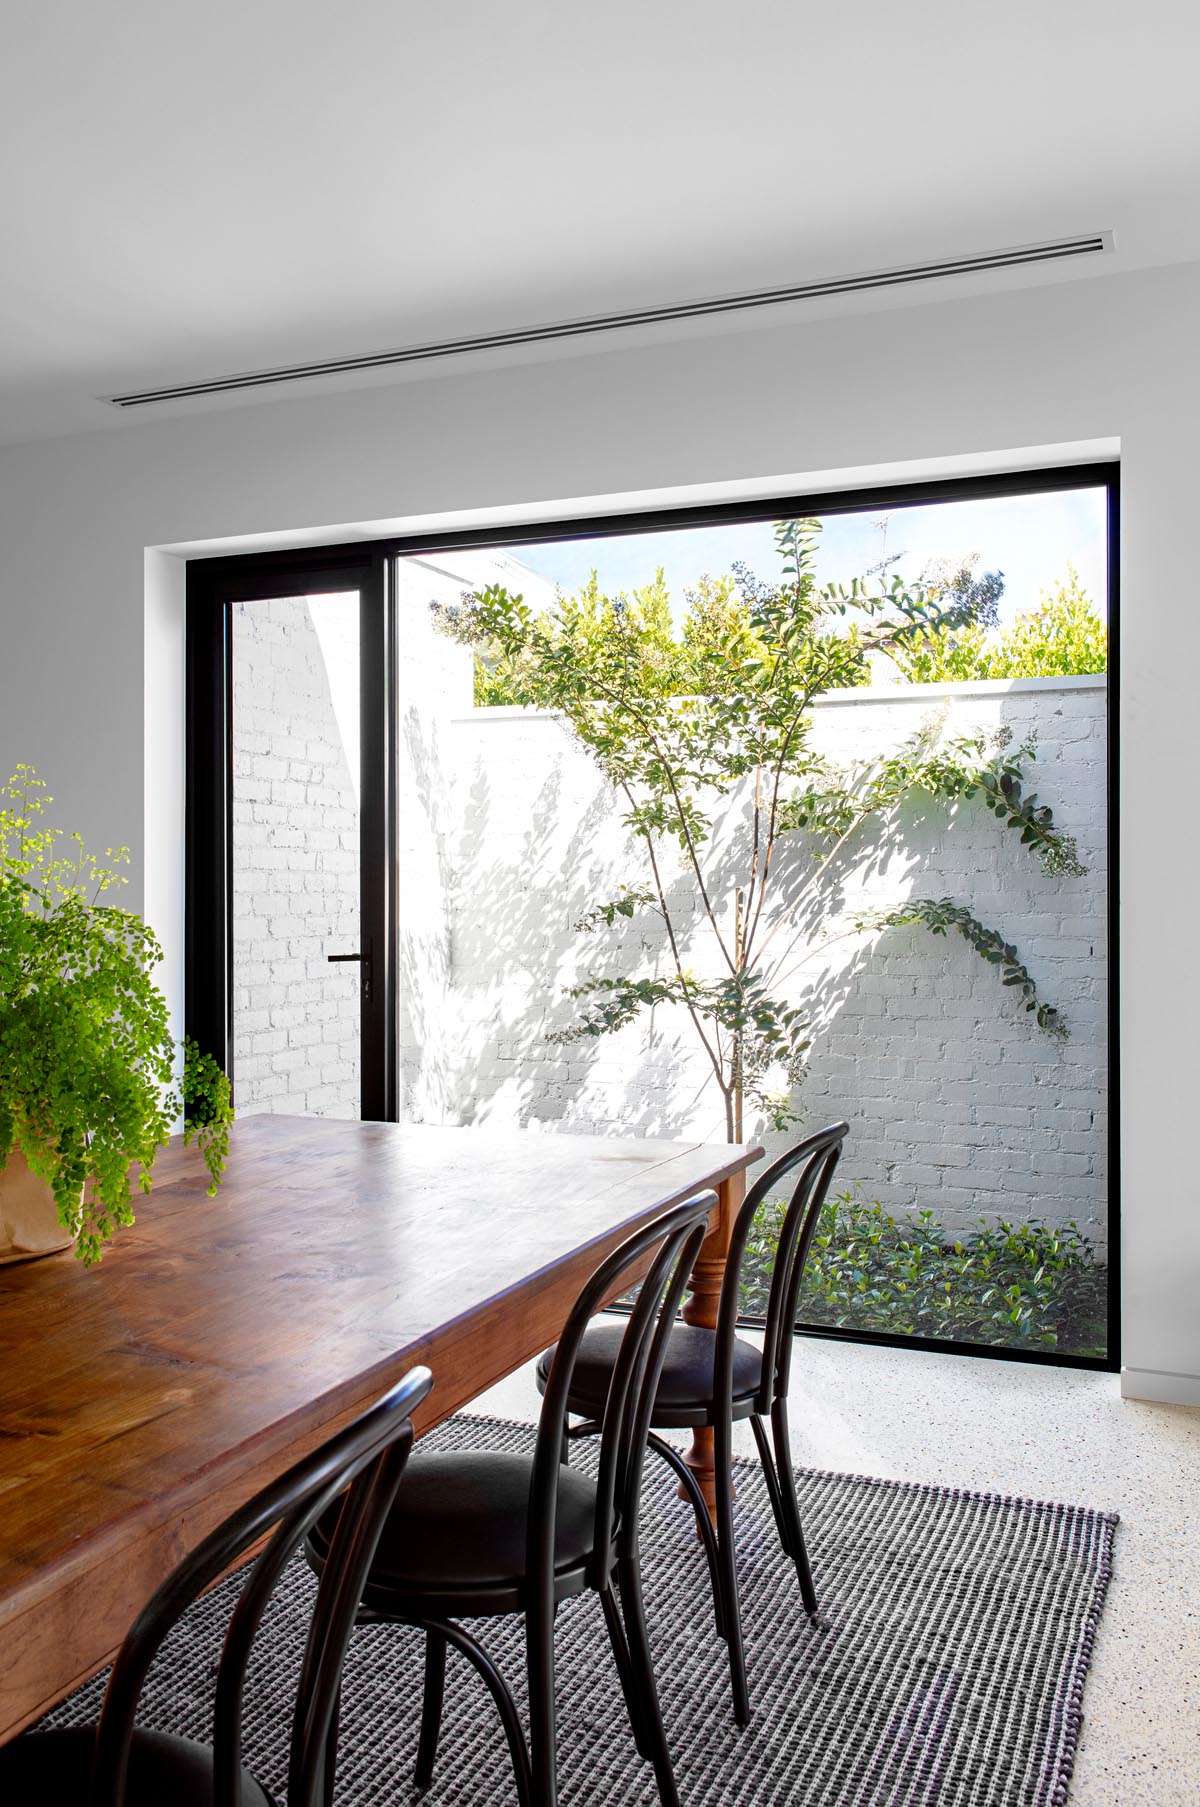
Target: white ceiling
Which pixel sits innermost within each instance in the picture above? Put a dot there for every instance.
(193, 190)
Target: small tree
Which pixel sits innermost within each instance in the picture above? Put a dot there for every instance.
(723, 712)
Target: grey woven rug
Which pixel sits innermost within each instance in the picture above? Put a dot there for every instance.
(948, 1671)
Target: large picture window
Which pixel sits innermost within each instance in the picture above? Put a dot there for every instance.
(730, 825)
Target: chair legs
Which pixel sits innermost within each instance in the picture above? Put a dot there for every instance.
(431, 1707)
(721, 1554)
(635, 1668)
(535, 1764)
(331, 1742)
(719, 1547)
(781, 1486)
(631, 1649)
(653, 1740)
(439, 1633)
(727, 1550)
(543, 1731)
(791, 1509)
(704, 1525)
(634, 1705)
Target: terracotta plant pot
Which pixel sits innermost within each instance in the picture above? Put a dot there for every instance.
(29, 1223)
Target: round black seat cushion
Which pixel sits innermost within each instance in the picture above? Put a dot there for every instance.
(55, 1767)
(459, 1523)
(685, 1390)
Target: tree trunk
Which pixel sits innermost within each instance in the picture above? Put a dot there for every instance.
(739, 949)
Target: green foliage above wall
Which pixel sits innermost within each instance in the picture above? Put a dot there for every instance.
(1062, 637)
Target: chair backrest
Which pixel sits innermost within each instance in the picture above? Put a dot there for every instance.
(665, 1251)
(367, 1458)
(804, 1172)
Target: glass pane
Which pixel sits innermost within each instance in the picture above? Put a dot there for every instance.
(620, 812)
(296, 776)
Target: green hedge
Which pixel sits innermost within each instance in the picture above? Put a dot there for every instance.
(1026, 1286)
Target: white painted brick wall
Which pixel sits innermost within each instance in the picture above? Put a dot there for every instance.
(436, 686)
(508, 834)
(955, 1102)
(295, 872)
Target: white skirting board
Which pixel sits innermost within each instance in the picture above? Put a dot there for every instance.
(1165, 1388)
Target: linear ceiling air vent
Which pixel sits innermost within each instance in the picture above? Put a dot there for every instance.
(1052, 251)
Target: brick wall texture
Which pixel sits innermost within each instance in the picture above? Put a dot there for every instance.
(508, 834)
(956, 1102)
(295, 861)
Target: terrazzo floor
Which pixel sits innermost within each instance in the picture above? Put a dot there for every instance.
(1046, 1433)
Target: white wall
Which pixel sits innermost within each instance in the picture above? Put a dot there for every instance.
(957, 1103)
(295, 856)
(972, 380)
(436, 687)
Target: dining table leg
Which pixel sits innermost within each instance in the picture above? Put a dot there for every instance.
(701, 1307)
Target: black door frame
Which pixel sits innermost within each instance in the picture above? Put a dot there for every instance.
(213, 586)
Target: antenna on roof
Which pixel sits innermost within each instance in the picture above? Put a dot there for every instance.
(881, 527)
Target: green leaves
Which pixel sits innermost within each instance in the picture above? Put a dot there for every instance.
(1062, 637)
(766, 1035)
(697, 716)
(672, 712)
(761, 1032)
(207, 1110)
(629, 899)
(86, 1053)
(824, 808)
(616, 1002)
(939, 915)
(1027, 1286)
(972, 766)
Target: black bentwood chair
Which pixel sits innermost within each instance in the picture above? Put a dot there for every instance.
(112, 1764)
(714, 1377)
(478, 1533)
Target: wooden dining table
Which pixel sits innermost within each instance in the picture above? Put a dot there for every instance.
(222, 1338)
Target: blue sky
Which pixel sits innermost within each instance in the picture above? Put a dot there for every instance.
(1029, 538)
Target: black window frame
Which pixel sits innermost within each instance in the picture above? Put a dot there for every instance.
(213, 587)
(213, 584)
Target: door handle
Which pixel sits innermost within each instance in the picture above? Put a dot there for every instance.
(364, 961)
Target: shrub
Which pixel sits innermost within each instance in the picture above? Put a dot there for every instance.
(1025, 1286)
(1062, 637)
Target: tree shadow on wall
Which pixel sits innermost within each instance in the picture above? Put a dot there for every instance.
(517, 882)
(915, 1038)
(425, 974)
(515, 888)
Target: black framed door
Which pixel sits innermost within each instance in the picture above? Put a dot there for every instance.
(290, 913)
